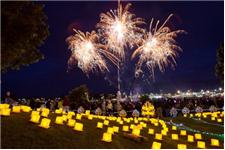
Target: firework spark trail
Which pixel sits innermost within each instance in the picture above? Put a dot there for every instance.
(158, 48)
(88, 52)
(119, 28)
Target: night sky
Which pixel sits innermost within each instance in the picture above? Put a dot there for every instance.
(204, 22)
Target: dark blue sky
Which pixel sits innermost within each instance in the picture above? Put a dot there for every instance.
(204, 22)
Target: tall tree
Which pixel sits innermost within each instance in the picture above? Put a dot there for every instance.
(79, 96)
(220, 63)
(24, 28)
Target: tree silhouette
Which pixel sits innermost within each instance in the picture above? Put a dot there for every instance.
(24, 29)
(220, 64)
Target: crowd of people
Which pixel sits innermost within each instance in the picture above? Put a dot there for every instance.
(112, 107)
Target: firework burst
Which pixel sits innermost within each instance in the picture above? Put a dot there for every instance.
(119, 29)
(88, 53)
(158, 48)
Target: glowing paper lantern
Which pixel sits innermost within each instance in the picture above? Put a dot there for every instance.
(59, 120)
(100, 125)
(158, 136)
(163, 132)
(26, 108)
(190, 138)
(150, 131)
(116, 129)
(132, 126)
(156, 145)
(198, 136)
(191, 115)
(106, 122)
(78, 126)
(71, 113)
(219, 120)
(183, 132)
(181, 146)
(107, 137)
(58, 111)
(136, 131)
(5, 111)
(90, 117)
(125, 128)
(215, 142)
(34, 113)
(4, 106)
(148, 109)
(78, 117)
(174, 128)
(110, 130)
(87, 112)
(201, 144)
(174, 136)
(35, 118)
(16, 109)
(64, 117)
(44, 113)
(45, 123)
(71, 122)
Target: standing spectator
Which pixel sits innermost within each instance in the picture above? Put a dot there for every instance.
(65, 104)
(60, 104)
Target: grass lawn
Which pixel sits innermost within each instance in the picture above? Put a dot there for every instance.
(18, 132)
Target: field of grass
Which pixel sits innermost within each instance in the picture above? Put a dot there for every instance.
(18, 132)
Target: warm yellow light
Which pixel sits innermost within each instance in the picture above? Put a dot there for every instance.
(35, 118)
(183, 132)
(163, 132)
(125, 128)
(198, 136)
(45, 123)
(136, 131)
(116, 129)
(174, 128)
(156, 124)
(191, 115)
(44, 113)
(71, 113)
(64, 117)
(215, 142)
(16, 109)
(90, 117)
(181, 146)
(5, 111)
(213, 118)
(190, 138)
(110, 130)
(158, 136)
(78, 116)
(174, 136)
(150, 131)
(87, 112)
(100, 125)
(4, 106)
(35, 113)
(71, 122)
(59, 120)
(58, 111)
(201, 144)
(107, 137)
(132, 126)
(219, 120)
(121, 122)
(106, 122)
(185, 115)
(25, 108)
(156, 145)
(78, 126)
